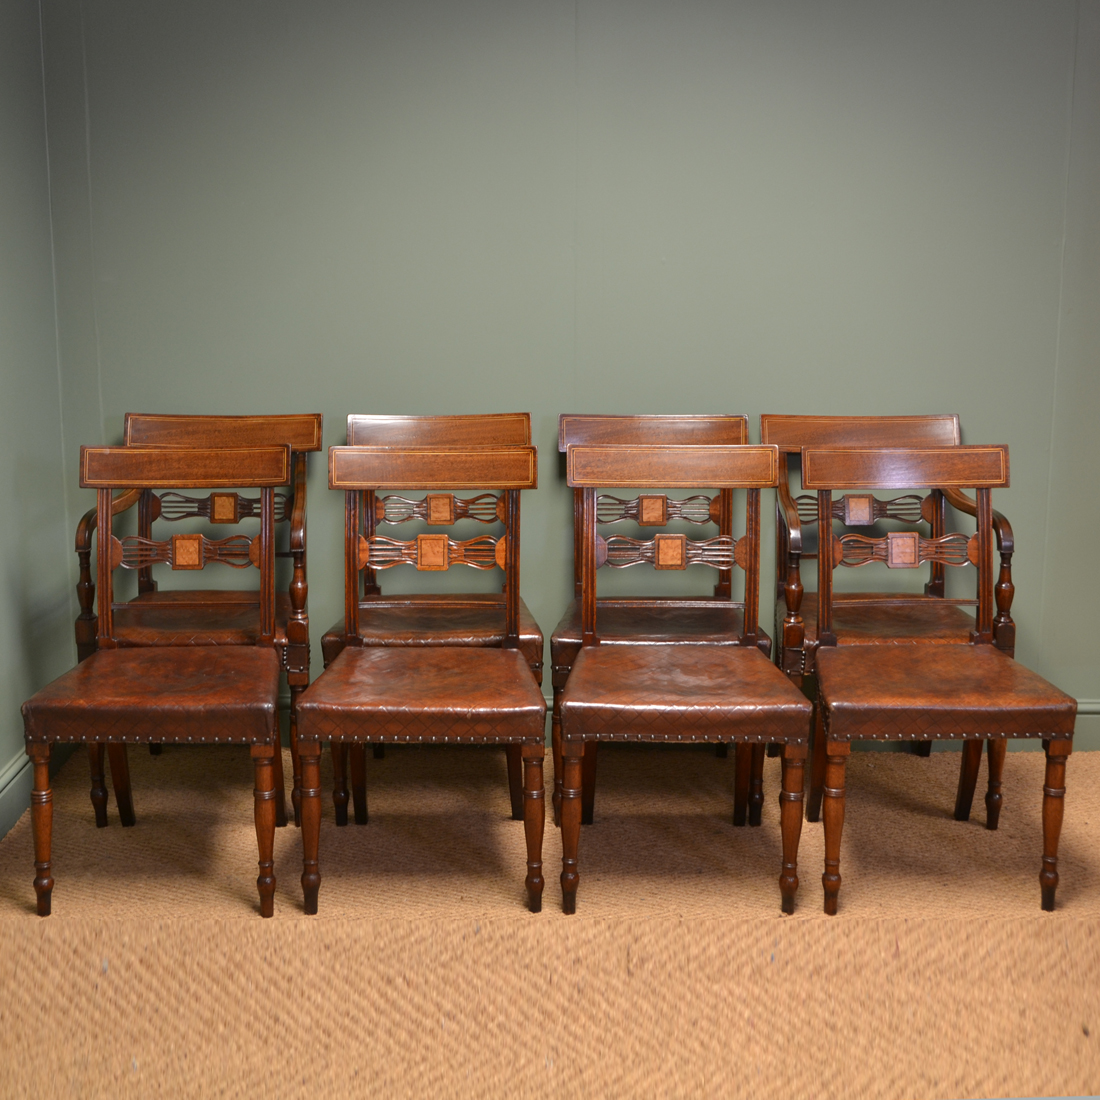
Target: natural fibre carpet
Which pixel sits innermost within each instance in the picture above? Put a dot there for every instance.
(424, 976)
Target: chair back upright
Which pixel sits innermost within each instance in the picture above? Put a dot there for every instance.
(142, 469)
(657, 431)
(591, 467)
(364, 472)
(865, 469)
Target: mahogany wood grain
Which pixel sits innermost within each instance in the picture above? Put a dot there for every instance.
(301, 432)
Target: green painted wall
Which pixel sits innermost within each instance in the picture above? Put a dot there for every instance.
(34, 535)
(594, 205)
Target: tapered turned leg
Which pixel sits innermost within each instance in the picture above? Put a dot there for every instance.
(817, 768)
(339, 780)
(998, 746)
(310, 753)
(790, 820)
(357, 765)
(534, 820)
(836, 758)
(968, 779)
(514, 753)
(280, 783)
(295, 763)
(588, 781)
(555, 751)
(570, 822)
(120, 780)
(99, 787)
(756, 785)
(1054, 800)
(742, 781)
(923, 748)
(42, 826)
(263, 760)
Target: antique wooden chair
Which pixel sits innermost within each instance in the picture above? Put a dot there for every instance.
(672, 692)
(654, 620)
(120, 695)
(431, 693)
(871, 618)
(211, 617)
(969, 690)
(430, 619)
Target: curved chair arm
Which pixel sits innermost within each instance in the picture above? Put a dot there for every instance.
(790, 540)
(296, 655)
(1004, 629)
(788, 509)
(86, 624)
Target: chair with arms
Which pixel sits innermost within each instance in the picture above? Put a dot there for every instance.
(427, 693)
(211, 617)
(968, 690)
(429, 619)
(679, 692)
(122, 694)
(653, 620)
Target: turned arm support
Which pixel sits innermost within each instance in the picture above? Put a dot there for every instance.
(790, 541)
(297, 657)
(1004, 629)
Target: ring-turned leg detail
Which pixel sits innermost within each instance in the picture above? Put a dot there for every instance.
(534, 821)
(790, 819)
(570, 822)
(1054, 801)
(310, 755)
(836, 759)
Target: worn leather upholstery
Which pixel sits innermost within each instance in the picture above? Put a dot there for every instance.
(199, 618)
(189, 694)
(430, 620)
(933, 692)
(669, 692)
(424, 695)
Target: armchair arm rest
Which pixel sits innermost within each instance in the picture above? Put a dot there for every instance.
(789, 511)
(87, 524)
(298, 513)
(1001, 527)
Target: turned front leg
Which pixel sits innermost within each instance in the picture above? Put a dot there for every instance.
(968, 779)
(742, 781)
(790, 820)
(555, 752)
(96, 754)
(279, 781)
(514, 756)
(817, 767)
(339, 781)
(357, 766)
(756, 785)
(588, 781)
(534, 820)
(42, 826)
(836, 759)
(1054, 800)
(310, 754)
(998, 747)
(570, 822)
(295, 763)
(263, 758)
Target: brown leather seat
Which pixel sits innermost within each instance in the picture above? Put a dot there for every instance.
(881, 693)
(421, 695)
(201, 694)
(673, 693)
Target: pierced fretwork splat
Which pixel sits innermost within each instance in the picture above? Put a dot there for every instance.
(439, 508)
(185, 552)
(432, 552)
(656, 510)
(669, 552)
(218, 507)
(861, 509)
(905, 550)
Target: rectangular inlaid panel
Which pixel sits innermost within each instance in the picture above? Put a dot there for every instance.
(432, 552)
(300, 432)
(901, 468)
(792, 433)
(859, 511)
(224, 508)
(652, 511)
(187, 552)
(653, 430)
(670, 552)
(441, 509)
(903, 550)
(441, 432)
(177, 468)
(672, 467)
(390, 468)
